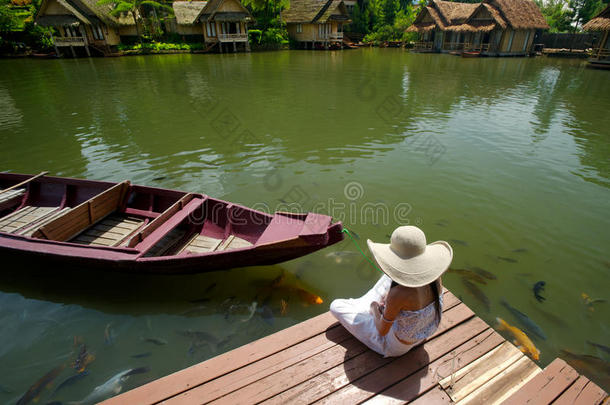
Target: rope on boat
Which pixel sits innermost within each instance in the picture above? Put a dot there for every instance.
(346, 231)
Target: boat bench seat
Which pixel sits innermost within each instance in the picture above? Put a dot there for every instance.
(9, 195)
(28, 219)
(166, 229)
(110, 231)
(84, 215)
(204, 244)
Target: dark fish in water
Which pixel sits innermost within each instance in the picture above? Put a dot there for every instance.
(469, 275)
(387, 235)
(199, 339)
(525, 320)
(267, 314)
(282, 201)
(159, 178)
(520, 250)
(83, 359)
(477, 293)
(601, 347)
(459, 242)
(484, 273)
(109, 334)
(70, 380)
(590, 364)
(141, 355)
(198, 335)
(507, 259)
(205, 292)
(35, 390)
(198, 311)
(154, 340)
(538, 288)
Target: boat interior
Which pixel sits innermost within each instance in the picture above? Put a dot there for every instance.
(155, 222)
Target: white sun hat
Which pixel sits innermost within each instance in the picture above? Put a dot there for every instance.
(408, 260)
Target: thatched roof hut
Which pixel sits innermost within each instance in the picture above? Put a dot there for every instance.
(601, 22)
(315, 11)
(441, 14)
(484, 17)
(520, 14)
(212, 11)
(186, 12)
(83, 11)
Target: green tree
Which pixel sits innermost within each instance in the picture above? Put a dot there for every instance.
(557, 14)
(390, 8)
(135, 8)
(8, 20)
(584, 10)
(360, 20)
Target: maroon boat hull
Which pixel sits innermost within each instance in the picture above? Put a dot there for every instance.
(270, 239)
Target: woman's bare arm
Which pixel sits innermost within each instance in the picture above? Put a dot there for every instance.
(384, 317)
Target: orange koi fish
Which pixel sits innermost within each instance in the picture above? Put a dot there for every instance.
(520, 340)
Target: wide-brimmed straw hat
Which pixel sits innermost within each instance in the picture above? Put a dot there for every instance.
(408, 260)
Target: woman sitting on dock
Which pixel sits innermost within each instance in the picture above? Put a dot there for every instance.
(405, 305)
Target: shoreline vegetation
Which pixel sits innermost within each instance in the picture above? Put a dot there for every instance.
(374, 23)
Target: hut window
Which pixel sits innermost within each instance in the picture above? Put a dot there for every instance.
(211, 29)
(98, 34)
(339, 27)
(527, 39)
(510, 41)
(299, 28)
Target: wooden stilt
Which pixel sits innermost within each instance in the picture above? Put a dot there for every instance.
(87, 50)
(72, 50)
(234, 47)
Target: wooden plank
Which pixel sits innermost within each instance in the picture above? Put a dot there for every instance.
(361, 389)
(475, 374)
(582, 391)
(25, 217)
(427, 378)
(297, 373)
(504, 384)
(264, 367)
(337, 377)
(24, 182)
(436, 396)
(198, 374)
(30, 229)
(11, 194)
(546, 386)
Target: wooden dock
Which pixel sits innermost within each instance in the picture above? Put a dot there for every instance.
(464, 362)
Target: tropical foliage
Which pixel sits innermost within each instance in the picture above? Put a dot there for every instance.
(138, 8)
(268, 22)
(384, 20)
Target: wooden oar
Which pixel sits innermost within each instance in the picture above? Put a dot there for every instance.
(24, 182)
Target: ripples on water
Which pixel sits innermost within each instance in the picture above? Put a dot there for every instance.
(520, 171)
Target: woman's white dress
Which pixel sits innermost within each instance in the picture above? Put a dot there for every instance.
(412, 326)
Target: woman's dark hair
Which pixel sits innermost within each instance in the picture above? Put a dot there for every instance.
(436, 293)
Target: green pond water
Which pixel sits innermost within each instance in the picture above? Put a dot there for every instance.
(507, 159)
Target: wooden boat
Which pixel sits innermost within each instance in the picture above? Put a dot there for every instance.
(471, 54)
(124, 227)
